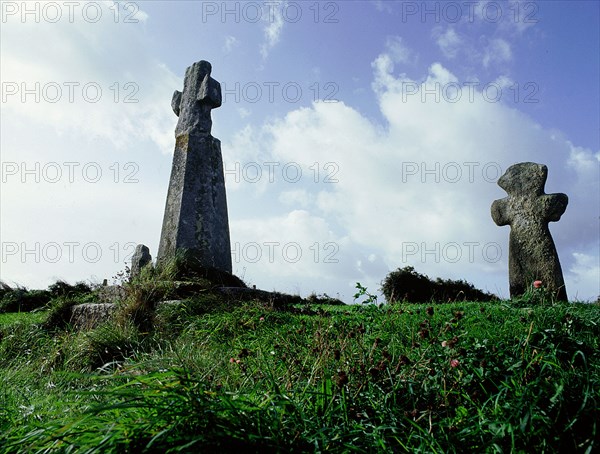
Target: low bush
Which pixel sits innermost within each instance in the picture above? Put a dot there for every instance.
(406, 284)
(23, 300)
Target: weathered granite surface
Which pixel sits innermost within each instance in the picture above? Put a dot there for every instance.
(528, 210)
(111, 293)
(195, 219)
(90, 315)
(141, 257)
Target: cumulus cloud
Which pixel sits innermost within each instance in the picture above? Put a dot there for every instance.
(298, 248)
(88, 120)
(299, 197)
(584, 273)
(71, 91)
(417, 190)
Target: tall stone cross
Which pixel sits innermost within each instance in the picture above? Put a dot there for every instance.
(528, 210)
(195, 220)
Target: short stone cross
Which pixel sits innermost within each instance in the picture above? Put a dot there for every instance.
(195, 220)
(141, 257)
(532, 254)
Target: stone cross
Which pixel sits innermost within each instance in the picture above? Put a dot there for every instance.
(528, 210)
(195, 220)
(141, 257)
(201, 94)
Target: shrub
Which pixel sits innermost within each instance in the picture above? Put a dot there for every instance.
(406, 284)
(4, 288)
(23, 300)
(313, 298)
(61, 288)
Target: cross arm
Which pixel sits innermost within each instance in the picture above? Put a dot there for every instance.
(500, 212)
(210, 92)
(176, 102)
(553, 206)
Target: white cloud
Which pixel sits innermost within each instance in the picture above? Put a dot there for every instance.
(520, 16)
(272, 31)
(584, 275)
(418, 192)
(297, 247)
(397, 50)
(583, 162)
(74, 93)
(383, 67)
(300, 198)
(449, 42)
(497, 51)
(415, 190)
(486, 34)
(91, 142)
(243, 112)
(382, 6)
(230, 43)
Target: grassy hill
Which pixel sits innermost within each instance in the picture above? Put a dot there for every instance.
(255, 377)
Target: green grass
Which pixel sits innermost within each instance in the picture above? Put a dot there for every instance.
(476, 377)
(22, 317)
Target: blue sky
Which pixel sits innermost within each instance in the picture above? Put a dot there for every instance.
(358, 137)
